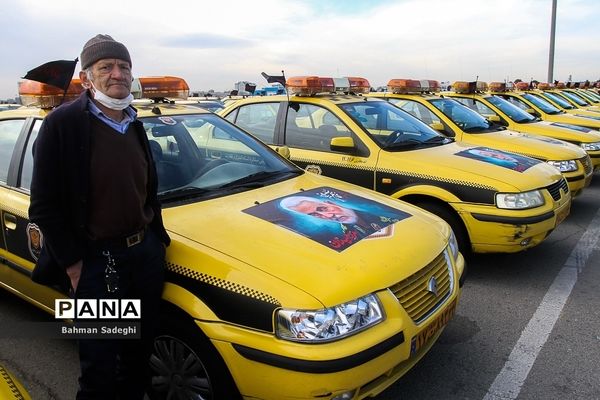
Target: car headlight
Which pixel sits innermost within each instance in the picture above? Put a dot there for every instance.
(453, 246)
(329, 323)
(591, 146)
(564, 166)
(521, 200)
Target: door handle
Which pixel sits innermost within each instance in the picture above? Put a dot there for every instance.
(10, 221)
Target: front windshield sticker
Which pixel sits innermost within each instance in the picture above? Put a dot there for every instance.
(573, 127)
(167, 120)
(332, 217)
(502, 159)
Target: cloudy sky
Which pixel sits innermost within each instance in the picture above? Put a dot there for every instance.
(215, 43)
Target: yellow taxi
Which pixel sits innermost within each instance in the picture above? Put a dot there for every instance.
(494, 201)
(457, 118)
(560, 102)
(10, 387)
(574, 96)
(281, 284)
(580, 98)
(535, 104)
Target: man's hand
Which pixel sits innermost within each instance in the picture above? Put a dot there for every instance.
(74, 272)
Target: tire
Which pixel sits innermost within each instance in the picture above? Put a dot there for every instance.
(448, 215)
(186, 366)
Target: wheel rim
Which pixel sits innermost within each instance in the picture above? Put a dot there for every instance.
(177, 372)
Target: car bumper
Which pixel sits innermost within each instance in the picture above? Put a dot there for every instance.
(365, 364)
(511, 232)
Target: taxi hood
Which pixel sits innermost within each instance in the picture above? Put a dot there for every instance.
(330, 262)
(475, 166)
(540, 147)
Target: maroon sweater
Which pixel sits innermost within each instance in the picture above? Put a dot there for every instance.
(118, 182)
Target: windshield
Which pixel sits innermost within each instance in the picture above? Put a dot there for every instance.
(512, 111)
(558, 100)
(575, 98)
(391, 127)
(465, 118)
(202, 155)
(542, 103)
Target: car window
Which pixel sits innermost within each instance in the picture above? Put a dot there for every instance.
(463, 116)
(201, 154)
(27, 169)
(258, 119)
(391, 127)
(513, 112)
(516, 102)
(542, 103)
(9, 133)
(417, 109)
(476, 106)
(309, 126)
(558, 100)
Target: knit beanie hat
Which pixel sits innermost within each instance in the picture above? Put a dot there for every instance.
(103, 46)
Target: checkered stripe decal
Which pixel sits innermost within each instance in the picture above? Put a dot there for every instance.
(359, 166)
(438, 179)
(11, 384)
(220, 283)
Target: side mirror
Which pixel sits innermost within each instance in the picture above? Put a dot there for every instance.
(494, 118)
(438, 126)
(345, 144)
(530, 111)
(283, 151)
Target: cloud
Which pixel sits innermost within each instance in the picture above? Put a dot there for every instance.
(205, 41)
(215, 44)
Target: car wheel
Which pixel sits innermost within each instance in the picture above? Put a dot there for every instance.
(450, 216)
(185, 365)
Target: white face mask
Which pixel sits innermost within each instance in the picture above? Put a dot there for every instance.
(112, 103)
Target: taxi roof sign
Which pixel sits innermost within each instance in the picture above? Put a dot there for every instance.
(522, 86)
(312, 85)
(33, 93)
(469, 87)
(404, 86)
(162, 87)
(545, 86)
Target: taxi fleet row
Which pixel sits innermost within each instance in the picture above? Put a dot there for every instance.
(273, 288)
(495, 201)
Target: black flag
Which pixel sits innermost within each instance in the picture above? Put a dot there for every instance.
(56, 73)
(275, 79)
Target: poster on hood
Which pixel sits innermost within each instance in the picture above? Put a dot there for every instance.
(500, 158)
(329, 216)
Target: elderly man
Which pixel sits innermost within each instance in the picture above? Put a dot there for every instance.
(94, 197)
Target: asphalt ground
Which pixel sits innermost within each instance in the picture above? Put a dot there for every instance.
(527, 327)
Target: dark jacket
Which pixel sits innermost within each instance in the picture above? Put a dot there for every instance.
(59, 189)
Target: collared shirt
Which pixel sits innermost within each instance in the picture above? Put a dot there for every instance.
(120, 127)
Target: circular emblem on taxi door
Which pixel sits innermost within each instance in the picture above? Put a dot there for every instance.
(35, 240)
(432, 286)
(315, 169)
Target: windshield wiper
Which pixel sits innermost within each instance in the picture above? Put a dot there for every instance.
(439, 140)
(407, 143)
(257, 179)
(182, 193)
(476, 129)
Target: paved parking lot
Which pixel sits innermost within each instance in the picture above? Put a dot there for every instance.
(527, 327)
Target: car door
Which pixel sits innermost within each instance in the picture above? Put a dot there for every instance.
(23, 240)
(308, 131)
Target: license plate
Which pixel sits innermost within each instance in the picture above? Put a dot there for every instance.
(562, 215)
(430, 330)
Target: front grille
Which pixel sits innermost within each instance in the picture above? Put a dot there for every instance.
(587, 164)
(414, 294)
(554, 189)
